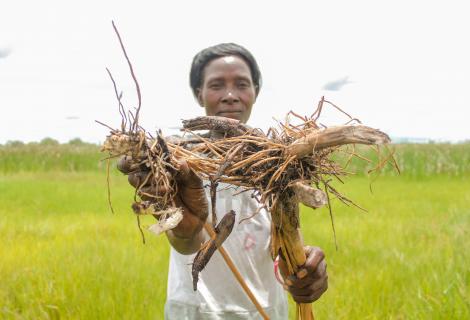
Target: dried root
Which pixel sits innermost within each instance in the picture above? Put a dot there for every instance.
(170, 219)
(228, 127)
(311, 197)
(222, 231)
(148, 154)
(336, 136)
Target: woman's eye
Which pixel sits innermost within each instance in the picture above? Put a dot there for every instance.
(243, 85)
(215, 86)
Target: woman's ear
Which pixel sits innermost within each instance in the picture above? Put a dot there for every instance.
(199, 97)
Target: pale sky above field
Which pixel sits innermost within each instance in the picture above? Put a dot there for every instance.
(401, 66)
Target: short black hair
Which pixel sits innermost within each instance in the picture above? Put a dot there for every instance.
(205, 56)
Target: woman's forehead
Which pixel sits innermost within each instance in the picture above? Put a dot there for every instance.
(228, 59)
(227, 65)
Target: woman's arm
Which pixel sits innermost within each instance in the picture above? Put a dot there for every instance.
(187, 236)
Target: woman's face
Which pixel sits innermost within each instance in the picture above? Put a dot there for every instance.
(227, 89)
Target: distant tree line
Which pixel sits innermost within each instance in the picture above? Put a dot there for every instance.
(48, 142)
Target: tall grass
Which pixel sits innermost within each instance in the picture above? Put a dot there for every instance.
(48, 155)
(408, 257)
(416, 160)
(64, 255)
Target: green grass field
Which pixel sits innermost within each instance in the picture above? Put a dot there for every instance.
(63, 255)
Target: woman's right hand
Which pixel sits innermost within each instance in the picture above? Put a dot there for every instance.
(190, 197)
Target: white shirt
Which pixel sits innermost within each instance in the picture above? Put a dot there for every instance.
(219, 295)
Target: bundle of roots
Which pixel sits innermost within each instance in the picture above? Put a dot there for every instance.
(287, 165)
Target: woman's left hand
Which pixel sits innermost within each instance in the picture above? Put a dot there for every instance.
(311, 281)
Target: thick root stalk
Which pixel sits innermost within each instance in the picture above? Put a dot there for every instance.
(229, 127)
(336, 136)
(288, 241)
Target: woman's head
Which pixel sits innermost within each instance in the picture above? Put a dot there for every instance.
(225, 79)
(205, 56)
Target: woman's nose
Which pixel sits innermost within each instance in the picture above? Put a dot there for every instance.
(230, 97)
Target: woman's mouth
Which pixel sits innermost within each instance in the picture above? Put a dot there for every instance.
(233, 114)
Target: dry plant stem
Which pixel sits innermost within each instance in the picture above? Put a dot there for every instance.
(137, 87)
(105, 125)
(237, 274)
(118, 97)
(206, 143)
(286, 235)
(215, 178)
(351, 119)
(221, 233)
(140, 229)
(330, 210)
(393, 160)
(336, 136)
(384, 161)
(213, 193)
(228, 160)
(252, 215)
(108, 164)
(230, 127)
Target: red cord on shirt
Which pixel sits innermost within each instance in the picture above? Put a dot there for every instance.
(277, 272)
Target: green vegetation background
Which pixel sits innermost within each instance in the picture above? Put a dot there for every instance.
(63, 255)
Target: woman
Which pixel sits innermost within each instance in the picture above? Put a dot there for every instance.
(225, 80)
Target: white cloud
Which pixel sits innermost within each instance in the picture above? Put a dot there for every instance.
(337, 84)
(4, 52)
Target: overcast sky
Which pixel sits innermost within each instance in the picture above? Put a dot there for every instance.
(401, 66)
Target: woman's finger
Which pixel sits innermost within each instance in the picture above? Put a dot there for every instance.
(314, 256)
(138, 178)
(187, 178)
